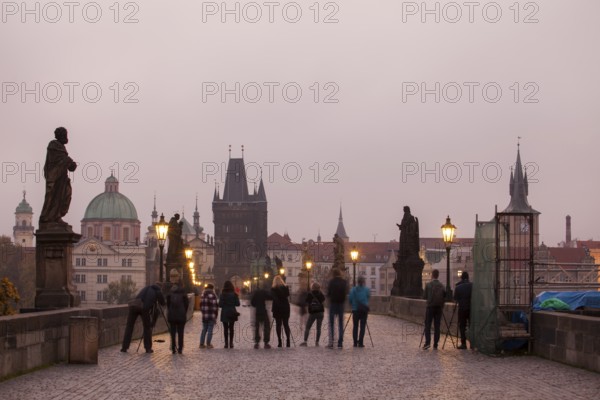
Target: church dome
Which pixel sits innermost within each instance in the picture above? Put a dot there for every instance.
(24, 207)
(111, 204)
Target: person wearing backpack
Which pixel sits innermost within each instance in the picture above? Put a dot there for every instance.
(177, 305)
(359, 299)
(435, 294)
(316, 311)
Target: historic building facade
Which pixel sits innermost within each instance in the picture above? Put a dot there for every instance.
(23, 229)
(240, 221)
(109, 250)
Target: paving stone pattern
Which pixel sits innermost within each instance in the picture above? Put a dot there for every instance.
(394, 369)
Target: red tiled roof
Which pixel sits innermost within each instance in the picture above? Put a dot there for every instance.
(567, 254)
(590, 244)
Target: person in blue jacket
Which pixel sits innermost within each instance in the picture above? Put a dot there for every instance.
(359, 300)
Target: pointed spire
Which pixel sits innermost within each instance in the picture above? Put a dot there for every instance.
(197, 227)
(262, 196)
(216, 195)
(230, 152)
(154, 212)
(519, 188)
(319, 236)
(242, 152)
(341, 231)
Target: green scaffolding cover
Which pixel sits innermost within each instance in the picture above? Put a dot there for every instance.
(484, 320)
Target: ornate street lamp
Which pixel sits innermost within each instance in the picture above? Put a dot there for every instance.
(162, 228)
(308, 267)
(189, 254)
(448, 235)
(255, 282)
(354, 257)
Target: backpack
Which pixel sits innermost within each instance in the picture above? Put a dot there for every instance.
(315, 306)
(438, 294)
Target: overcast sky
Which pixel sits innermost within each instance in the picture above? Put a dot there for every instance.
(374, 107)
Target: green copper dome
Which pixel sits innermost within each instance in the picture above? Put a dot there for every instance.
(24, 207)
(111, 204)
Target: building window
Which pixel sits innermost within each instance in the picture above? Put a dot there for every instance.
(124, 262)
(382, 287)
(101, 296)
(106, 234)
(78, 262)
(104, 278)
(99, 262)
(83, 262)
(373, 284)
(373, 271)
(90, 232)
(81, 294)
(104, 262)
(98, 278)
(126, 234)
(129, 262)
(82, 278)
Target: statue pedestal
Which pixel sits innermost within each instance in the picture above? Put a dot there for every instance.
(409, 282)
(54, 266)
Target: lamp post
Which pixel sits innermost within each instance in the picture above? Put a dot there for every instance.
(308, 267)
(189, 253)
(162, 228)
(354, 257)
(448, 235)
(255, 282)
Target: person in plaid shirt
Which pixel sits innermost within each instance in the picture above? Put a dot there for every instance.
(209, 305)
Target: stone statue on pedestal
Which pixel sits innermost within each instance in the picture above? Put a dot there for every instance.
(409, 265)
(55, 238)
(58, 185)
(339, 260)
(175, 251)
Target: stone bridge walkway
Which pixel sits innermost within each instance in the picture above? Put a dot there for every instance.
(394, 369)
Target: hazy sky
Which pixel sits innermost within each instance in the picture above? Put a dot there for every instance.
(364, 128)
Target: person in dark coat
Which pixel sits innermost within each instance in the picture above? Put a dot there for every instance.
(336, 292)
(462, 295)
(281, 308)
(259, 302)
(228, 301)
(177, 306)
(144, 306)
(316, 311)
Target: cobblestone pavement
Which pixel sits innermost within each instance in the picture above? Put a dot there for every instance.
(394, 369)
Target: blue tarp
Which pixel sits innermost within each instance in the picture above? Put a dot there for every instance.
(575, 300)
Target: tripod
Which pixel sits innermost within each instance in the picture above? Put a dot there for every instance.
(448, 325)
(291, 335)
(156, 310)
(366, 325)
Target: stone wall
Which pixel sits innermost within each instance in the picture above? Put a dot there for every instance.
(37, 339)
(567, 338)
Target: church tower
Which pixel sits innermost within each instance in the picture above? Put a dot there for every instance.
(240, 220)
(519, 190)
(341, 231)
(23, 229)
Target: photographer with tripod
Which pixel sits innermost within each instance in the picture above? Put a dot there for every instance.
(144, 305)
(359, 299)
(435, 294)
